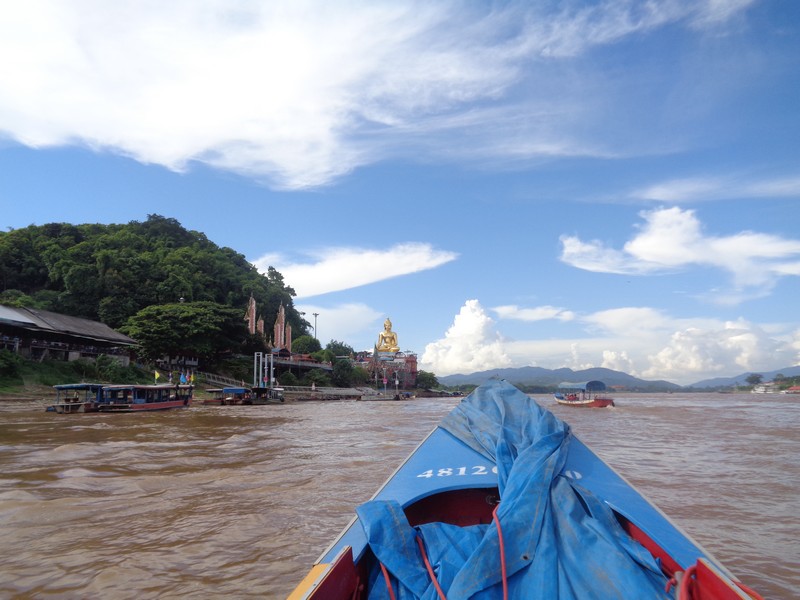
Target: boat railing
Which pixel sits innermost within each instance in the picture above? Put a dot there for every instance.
(220, 379)
(326, 391)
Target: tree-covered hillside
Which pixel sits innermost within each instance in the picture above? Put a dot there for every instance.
(109, 273)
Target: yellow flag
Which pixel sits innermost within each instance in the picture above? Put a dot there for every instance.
(157, 375)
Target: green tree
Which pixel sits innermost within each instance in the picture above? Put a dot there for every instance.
(339, 348)
(427, 380)
(288, 378)
(318, 377)
(306, 344)
(754, 379)
(16, 299)
(202, 329)
(360, 376)
(110, 272)
(324, 356)
(342, 373)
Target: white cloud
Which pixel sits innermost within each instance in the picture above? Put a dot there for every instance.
(342, 322)
(298, 94)
(673, 239)
(681, 190)
(539, 313)
(470, 344)
(618, 361)
(697, 189)
(335, 269)
(711, 352)
(641, 341)
(629, 321)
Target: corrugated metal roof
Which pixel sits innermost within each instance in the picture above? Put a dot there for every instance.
(43, 320)
(14, 316)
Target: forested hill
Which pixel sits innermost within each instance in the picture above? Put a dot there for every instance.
(110, 272)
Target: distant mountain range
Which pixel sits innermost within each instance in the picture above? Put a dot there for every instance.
(538, 376)
(742, 379)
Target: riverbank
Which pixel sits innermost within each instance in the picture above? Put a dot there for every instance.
(26, 393)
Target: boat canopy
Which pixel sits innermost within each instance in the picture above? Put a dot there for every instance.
(79, 386)
(586, 386)
(557, 537)
(235, 390)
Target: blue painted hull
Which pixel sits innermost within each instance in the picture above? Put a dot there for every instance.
(445, 474)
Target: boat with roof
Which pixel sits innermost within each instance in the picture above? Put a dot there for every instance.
(98, 397)
(589, 394)
(229, 396)
(74, 398)
(141, 398)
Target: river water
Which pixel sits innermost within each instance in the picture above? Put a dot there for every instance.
(238, 501)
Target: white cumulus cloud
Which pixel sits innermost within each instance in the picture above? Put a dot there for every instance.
(673, 239)
(641, 341)
(470, 344)
(709, 352)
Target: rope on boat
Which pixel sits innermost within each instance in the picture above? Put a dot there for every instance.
(430, 568)
(502, 552)
(747, 590)
(685, 590)
(684, 580)
(388, 581)
(432, 575)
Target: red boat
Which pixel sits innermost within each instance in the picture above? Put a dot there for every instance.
(588, 394)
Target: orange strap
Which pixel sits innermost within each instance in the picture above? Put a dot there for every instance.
(388, 580)
(502, 552)
(430, 569)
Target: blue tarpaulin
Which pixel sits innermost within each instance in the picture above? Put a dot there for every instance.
(559, 540)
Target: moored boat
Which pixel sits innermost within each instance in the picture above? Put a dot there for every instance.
(501, 500)
(140, 398)
(76, 398)
(229, 396)
(268, 395)
(588, 394)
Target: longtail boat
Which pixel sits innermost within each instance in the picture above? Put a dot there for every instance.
(502, 500)
(588, 394)
(76, 398)
(140, 398)
(229, 396)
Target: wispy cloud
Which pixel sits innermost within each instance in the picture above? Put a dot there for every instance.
(538, 313)
(299, 94)
(335, 269)
(673, 239)
(698, 189)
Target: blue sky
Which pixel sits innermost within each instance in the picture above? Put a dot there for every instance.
(558, 184)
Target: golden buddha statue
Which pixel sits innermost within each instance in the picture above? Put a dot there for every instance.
(387, 339)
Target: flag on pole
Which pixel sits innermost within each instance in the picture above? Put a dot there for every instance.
(157, 376)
